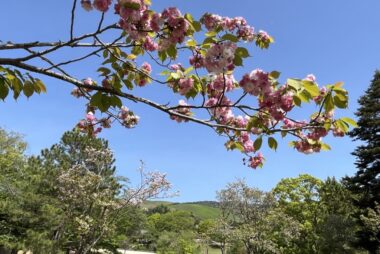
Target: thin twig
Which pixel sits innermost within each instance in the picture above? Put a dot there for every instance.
(48, 61)
(101, 22)
(108, 45)
(72, 20)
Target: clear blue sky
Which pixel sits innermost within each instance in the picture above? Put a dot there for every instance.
(335, 40)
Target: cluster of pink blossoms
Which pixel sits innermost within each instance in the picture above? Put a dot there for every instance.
(128, 118)
(177, 26)
(137, 21)
(256, 161)
(100, 5)
(220, 109)
(256, 83)
(237, 24)
(276, 102)
(220, 83)
(144, 77)
(183, 111)
(247, 142)
(219, 58)
(76, 92)
(185, 85)
(88, 125)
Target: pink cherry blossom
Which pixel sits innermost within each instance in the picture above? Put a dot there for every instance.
(128, 118)
(102, 5)
(185, 85)
(149, 44)
(256, 83)
(256, 161)
(220, 83)
(86, 4)
(181, 110)
(90, 117)
(88, 82)
(219, 58)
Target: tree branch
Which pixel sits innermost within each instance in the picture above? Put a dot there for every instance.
(72, 20)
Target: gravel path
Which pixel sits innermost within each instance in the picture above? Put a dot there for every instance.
(133, 252)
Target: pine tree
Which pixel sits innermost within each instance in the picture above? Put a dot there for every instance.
(365, 184)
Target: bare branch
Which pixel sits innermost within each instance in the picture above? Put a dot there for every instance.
(37, 44)
(49, 62)
(108, 45)
(72, 20)
(68, 43)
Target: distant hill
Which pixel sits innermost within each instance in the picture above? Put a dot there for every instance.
(200, 209)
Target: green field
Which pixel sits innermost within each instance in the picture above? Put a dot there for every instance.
(202, 210)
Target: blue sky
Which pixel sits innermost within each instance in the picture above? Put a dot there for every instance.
(335, 40)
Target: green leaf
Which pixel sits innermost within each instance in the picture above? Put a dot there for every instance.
(238, 61)
(162, 55)
(242, 52)
(132, 5)
(104, 71)
(96, 99)
(197, 26)
(238, 146)
(294, 83)
(325, 147)
(105, 54)
(116, 102)
(4, 90)
(340, 101)
(101, 101)
(28, 88)
(207, 41)
(329, 103)
(41, 85)
(327, 125)
(189, 18)
(188, 70)
(175, 75)
(230, 37)
(16, 87)
(272, 142)
(253, 122)
(275, 74)
(304, 96)
(128, 84)
(341, 125)
(191, 43)
(137, 50)
(211, 34)
(350, 121)
(311, 87)
(258, 142)
(172, 52)
(297, 101)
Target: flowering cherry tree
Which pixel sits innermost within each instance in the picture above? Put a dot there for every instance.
(246, 110)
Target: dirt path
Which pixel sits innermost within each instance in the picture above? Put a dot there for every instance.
(133, 252)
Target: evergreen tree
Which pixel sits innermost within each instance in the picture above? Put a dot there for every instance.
(365, 184)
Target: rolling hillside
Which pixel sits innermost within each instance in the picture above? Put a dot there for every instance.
(202, 209)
